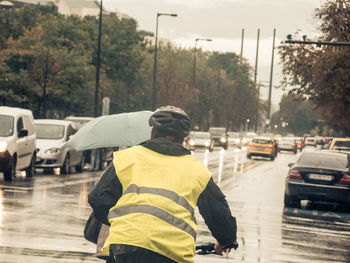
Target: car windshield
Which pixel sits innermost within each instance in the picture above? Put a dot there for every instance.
(217, 131)
(6, 125)
(261, 141)
(331, 161)
(49, 131)
(200, 135)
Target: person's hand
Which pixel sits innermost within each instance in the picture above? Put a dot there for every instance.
(220, 248)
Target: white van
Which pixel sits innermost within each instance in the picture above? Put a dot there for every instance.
(17, 142)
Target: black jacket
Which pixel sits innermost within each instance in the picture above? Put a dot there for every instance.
(211, 203)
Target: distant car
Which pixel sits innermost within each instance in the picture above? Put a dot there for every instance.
(340, 144)
(51, 135)
(320, 142)
(219, 136)
(310, 141)
(318, 176)
(234, 138)
(263, 147)
(288, 144)
(248, 137)
(200, 140)
(17, 142)
(79, 121)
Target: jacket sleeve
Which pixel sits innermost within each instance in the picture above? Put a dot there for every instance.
(105, 194)
(216, 213)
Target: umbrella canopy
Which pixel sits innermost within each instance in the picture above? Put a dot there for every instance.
(124, 129)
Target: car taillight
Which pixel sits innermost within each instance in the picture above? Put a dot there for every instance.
(293, 144)
(345, 179)
(294, 174)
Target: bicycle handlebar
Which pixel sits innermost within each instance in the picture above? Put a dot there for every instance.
(208, 248)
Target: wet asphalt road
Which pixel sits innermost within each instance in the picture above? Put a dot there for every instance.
(42, 219)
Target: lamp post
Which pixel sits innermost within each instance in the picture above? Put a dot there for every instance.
(194, 59)
(154, 91)
(98, 61)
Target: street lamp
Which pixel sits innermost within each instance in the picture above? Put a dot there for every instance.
(194, 59)
(154, 95)
(98, 62)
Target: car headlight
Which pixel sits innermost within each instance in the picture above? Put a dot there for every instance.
(52, 150)
(207, 144)
(223, 139)
(191, 142)
(3, 146)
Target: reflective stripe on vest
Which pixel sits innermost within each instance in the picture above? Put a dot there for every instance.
(180, 200)
(154, 211)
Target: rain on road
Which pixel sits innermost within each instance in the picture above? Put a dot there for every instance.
(42, 219)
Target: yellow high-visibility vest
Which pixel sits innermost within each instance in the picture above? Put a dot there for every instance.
(156, 210)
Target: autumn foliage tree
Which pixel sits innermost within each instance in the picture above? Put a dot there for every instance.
(322, 73)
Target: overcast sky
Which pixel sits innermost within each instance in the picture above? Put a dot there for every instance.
(222, 21)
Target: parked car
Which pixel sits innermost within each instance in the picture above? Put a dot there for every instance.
(288, 144)
(318, 176)
(200, 140)
(247, 138)
(263, 147)
(51, 135)
(219, 136)
(340, 144)
(234, 139)
(17, 142)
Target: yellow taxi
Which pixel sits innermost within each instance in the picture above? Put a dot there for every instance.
(340, 144)
(263, 147)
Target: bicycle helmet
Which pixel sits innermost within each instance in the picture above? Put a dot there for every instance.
(171, 120)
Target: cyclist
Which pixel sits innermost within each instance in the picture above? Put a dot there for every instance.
(148, 195)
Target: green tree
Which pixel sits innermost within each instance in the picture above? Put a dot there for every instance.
(322, 74)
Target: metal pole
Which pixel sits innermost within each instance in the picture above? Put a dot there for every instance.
(255, 75)
(194, 64)
(98, 61)
(242, 40)
(154, 94)
(271, 74)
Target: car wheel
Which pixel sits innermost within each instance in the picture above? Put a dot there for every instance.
(272, 158)
(249, 156)
(79, 168)
(11, 172)
(225, 147)
(291, 202)
(65, 169)
(211, 149)
(30, 171)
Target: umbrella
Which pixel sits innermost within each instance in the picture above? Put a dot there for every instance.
(124, 129)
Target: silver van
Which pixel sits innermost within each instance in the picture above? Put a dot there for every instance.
(17, 142)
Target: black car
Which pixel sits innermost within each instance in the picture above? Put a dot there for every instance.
(318, 176)
(219, 136)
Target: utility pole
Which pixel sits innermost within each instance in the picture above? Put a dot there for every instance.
(98, 62)
(255, 75)
(268, 117)
(242, 40)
